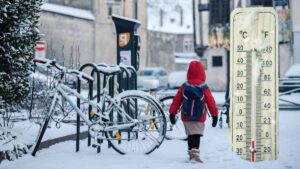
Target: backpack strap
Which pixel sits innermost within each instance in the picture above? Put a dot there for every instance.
(195, 88)
(202, 86)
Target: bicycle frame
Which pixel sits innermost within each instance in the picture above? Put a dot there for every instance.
(124, 113)
(62, 90)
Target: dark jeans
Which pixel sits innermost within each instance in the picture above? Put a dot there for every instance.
(194, 141)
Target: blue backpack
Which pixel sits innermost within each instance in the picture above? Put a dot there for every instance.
(193, 101)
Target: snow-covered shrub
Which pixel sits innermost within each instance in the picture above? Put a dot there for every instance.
(19, 32)
(10, 145)
(1, 105)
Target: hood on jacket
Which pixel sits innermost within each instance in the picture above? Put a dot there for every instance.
(196, 73)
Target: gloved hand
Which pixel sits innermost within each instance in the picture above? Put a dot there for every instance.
(172, 119)
(214, 121)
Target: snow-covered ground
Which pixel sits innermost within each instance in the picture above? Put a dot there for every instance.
(172, 153)
(28, 131)
(215, 149)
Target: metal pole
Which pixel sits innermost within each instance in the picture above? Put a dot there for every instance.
(78, 118)
(227, 73)
(200, 24)
(90, 108)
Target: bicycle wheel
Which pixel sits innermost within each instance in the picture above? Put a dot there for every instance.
(176, 131)
(150, 129)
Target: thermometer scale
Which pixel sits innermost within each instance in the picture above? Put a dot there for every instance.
(254, 83)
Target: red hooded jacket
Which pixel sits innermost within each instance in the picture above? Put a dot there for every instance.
(195, 76)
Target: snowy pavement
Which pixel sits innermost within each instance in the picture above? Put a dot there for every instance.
(172, 154)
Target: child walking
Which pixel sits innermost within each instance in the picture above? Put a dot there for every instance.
(193, 115)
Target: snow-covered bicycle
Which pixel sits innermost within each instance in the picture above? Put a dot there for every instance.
(132, 121)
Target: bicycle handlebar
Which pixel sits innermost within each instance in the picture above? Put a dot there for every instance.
(49, 63)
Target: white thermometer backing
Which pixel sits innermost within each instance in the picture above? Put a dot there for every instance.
(254, 83)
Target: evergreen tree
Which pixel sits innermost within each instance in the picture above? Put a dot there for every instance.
(18, 34)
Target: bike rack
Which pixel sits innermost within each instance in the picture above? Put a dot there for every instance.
(94, 67)
(111, 88)
(126, 80)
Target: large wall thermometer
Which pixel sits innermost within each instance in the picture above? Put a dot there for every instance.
(254, 83)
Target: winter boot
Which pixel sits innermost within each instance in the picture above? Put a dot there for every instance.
(195, 155)
(190, 154)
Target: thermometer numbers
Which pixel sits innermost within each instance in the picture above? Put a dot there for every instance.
(239, 151)
(267, 106)
(240, 60)
(267, 49)
(240, 99)
(267, 134)
(267, 149)
(240, 125)
(239, 137)
(267, 63)
(267, 120)
(267, 77)
(267, 92)
(240, 48)
(240, 112)
(240, 73)
(240, 86)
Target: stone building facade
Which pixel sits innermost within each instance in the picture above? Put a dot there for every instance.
(170, 34)
(82, 31)
(172, 51)
(161, 50)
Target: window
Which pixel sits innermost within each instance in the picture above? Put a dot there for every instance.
(265, 3)
(191, 46)
(109, 10)
(217, 61)
(188, 45)
(135, 8)
(219, 11)
(185, 46)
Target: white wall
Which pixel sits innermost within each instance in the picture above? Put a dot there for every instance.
(216, 77)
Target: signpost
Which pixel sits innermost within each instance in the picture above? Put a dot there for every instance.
(40, 49)
(254, 83)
